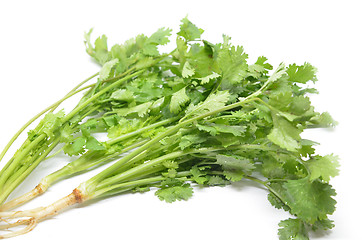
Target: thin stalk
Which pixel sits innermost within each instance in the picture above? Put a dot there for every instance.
(145, 181)
(141, 130)
(150, 164)
(265, 184)
(98, 94)
(25, 165)
(6, 192)
(50, 108)
(8, 171)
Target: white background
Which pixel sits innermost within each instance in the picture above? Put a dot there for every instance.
(42, 57)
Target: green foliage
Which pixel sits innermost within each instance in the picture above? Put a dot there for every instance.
(235, 167)
(324, 167)
(189, 31)
(292, 229)
(309, 200)
(199, 115)
(178, 100)
(173, 190)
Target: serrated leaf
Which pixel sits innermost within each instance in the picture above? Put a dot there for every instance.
(217, 181)
(172, 194)
(122, 95)
(215, 129)
(205, 80)
(302, 74)
(198, 176)
(189, 31)
(94, 145)
(292, 229)
(323, 120)
(324, 167)
(101, 49)
(285, 134)
(106, 69)
(178, 100)
(234, 167)
(309, 201)
(76, 147)
(278, 74)
(160, 37)
(214, 101)
(141, 110)
(189, 140)
(66, 134)
(187, 70)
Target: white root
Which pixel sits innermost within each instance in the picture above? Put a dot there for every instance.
(39, 189)
(30, 218)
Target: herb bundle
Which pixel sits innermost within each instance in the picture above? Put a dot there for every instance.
(199, 115)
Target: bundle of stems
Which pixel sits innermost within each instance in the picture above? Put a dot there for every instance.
(199, 115)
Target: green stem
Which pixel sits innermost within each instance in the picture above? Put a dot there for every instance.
(150, 164)
(98, 94)
(141, 130)
(265, 184)
(15, 163)
(25, 165)
(20, 177)
(117, 188)
(50, 108)
(85, 162)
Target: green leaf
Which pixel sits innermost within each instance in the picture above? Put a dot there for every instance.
(292, 229)
(187, 70)
(178, 100)
(66, 134)
(302, 74)
(141, 110)
(189, 31)
(189, 140)
(214, 101)
(215, 129)
(300, 105)
(234, 167)
(324, 224)
(170, 164)
(324, 120)
(307, 148)
(278, 74)
(324, 167)
(94, 144)
(106, 69)
(281, 100)
(123, 95)
(309, 201)
(198, 176)
(205, 80)
(51, 122)
(232, 63)
(88, 43)
(76, 147)
(285, 134)
(160, 37)
(274, 199)
(171, 194)
(150, 49)
(101, 50)
(217, 181)
(49, 125)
